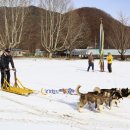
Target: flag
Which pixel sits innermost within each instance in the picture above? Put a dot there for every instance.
(101, 47)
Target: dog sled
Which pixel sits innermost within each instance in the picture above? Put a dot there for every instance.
(17, 87)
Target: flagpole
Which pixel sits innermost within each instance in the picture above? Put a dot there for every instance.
(101, 48)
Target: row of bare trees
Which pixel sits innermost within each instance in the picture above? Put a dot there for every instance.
(120, 35)
(60, 30)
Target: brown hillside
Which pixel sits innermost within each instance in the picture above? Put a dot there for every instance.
(92, 17)
(31, 38)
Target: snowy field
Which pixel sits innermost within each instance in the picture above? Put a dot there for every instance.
(59, 111)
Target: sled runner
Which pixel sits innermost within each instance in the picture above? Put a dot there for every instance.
(17, 88)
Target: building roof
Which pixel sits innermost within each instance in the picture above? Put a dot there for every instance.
(96, 51)
(16, 49)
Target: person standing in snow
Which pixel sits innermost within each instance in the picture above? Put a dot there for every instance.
(90, 61)
(109, 62)
(6, 58)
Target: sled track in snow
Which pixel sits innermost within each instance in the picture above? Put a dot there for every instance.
(52, 117)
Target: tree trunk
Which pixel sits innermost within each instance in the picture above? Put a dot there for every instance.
(122, 57)
(50, 55)
(68, 54)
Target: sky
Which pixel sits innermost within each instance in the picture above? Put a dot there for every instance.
(112, 7)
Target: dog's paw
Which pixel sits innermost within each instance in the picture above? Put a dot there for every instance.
(109, 108)
(98, 110)
(79, 110)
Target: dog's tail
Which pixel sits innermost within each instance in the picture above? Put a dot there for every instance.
(97, 89)
(77, 90)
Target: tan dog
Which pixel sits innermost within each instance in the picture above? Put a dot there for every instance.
(89, 98)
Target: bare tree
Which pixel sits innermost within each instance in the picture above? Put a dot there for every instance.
(86, 32)
(13, 16)
(78, 32)
(53, 24)
(120, 35)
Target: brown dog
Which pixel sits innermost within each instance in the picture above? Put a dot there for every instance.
(114, 94)
(91, 97)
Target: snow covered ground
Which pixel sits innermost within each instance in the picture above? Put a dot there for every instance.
(59, 111)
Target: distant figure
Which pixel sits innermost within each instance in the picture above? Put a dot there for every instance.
(90, 61)
(109, 62)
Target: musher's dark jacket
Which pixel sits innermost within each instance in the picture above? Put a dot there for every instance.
(5, 60)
